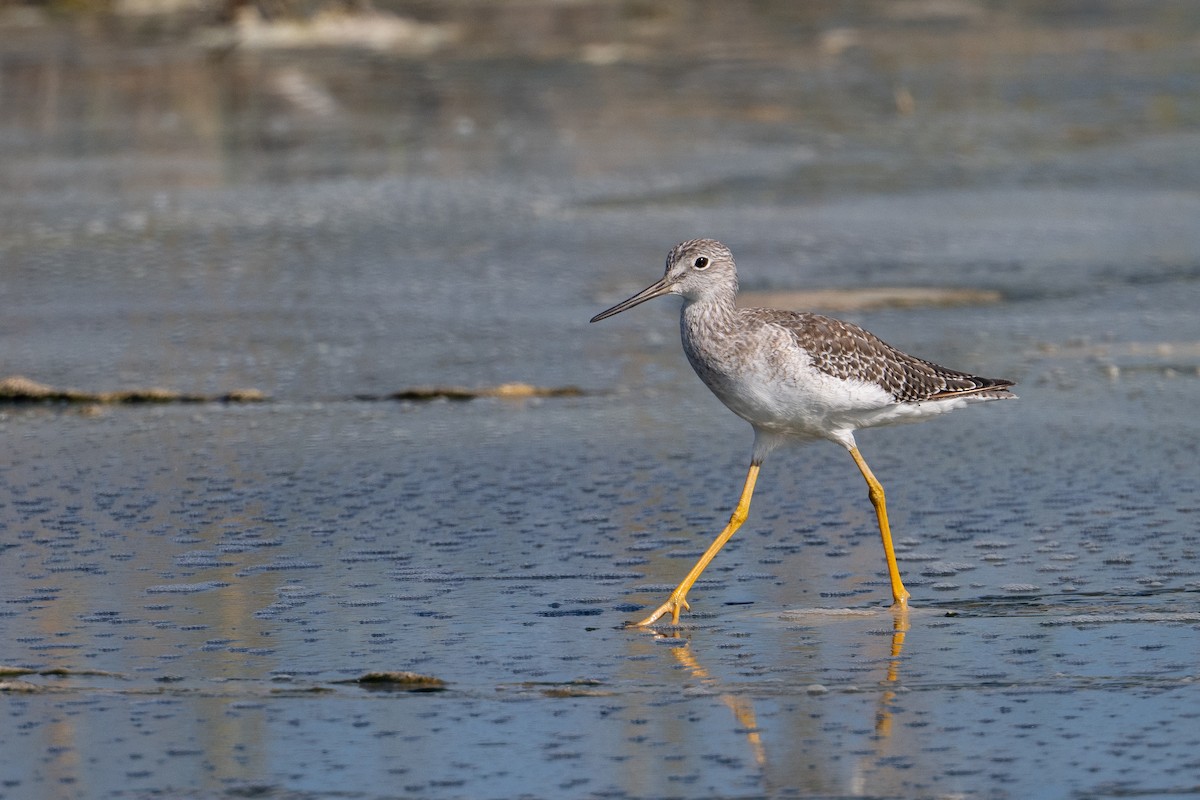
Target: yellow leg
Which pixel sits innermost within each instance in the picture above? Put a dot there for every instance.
(678, 599)
(875, 490)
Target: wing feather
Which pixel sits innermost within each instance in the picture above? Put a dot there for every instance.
(844, 350)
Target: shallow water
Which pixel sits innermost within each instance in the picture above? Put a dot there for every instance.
(188, 587)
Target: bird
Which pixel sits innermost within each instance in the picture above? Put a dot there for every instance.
(796, 377)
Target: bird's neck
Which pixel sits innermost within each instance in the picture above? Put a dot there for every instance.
(714, 311)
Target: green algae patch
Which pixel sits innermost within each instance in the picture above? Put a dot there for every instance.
(20, 687)
(17, 389)
(12, 672)
(399, 682)
(512, 391)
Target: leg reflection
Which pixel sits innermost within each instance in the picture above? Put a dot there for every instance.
(742, 707)
(883, 714)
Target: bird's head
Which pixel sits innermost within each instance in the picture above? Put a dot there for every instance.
(696, 269)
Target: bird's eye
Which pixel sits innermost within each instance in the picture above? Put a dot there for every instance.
(701, 262)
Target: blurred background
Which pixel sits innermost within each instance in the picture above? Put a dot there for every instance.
(327, 199)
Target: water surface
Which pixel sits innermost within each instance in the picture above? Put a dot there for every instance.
(188, 587)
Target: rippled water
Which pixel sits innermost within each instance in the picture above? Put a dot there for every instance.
(190, 590)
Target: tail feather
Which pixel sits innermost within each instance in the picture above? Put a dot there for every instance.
(990, 388)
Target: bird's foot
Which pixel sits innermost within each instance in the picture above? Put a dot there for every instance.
(900, 601)
(675, 603)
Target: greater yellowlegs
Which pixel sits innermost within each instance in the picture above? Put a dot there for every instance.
(796, 376)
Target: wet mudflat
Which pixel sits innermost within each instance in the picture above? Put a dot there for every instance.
(191, 590)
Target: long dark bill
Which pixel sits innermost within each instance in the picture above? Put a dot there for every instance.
(649, 293)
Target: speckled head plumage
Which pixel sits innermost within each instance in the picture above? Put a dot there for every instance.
(695, 269)
(699, 267)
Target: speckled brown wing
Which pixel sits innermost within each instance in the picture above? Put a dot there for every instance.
(844, 350)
